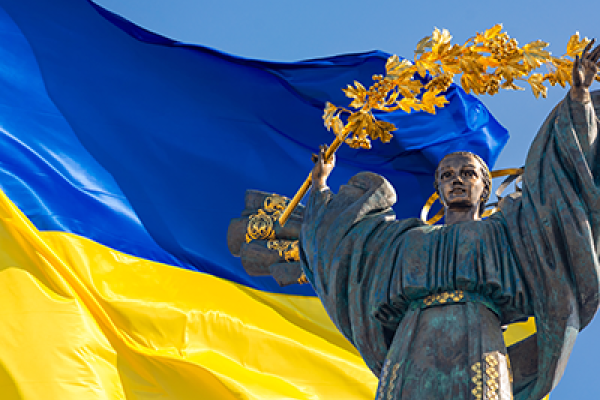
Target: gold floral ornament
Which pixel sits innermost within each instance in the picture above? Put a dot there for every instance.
(486, 63)
(261, 226)
(287, 249)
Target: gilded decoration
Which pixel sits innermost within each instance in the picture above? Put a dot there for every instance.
(486, 63)
(303, 279)
(443, 298)
(477, 380)
(492, 374)
(261, 226)
(489, 380)
(384, 373)
(390, 395)
(287, 249)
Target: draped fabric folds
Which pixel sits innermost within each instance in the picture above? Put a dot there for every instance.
(536, 257)
(555, 228)
(124, 156)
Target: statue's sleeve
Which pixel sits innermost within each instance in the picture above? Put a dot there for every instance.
(343, 252)
(554, 230)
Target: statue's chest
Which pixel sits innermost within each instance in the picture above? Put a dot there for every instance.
(443, 253)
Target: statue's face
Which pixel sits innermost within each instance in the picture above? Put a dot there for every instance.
(460, 181)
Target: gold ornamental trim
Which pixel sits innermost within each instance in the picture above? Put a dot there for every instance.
(287, 249)
(443, 298)
(261, 226)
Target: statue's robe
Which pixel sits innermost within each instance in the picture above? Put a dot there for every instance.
(424, 304)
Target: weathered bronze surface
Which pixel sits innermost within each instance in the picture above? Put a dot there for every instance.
(424, 305)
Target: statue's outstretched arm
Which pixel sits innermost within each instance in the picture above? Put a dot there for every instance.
(583, 116)
(585, 69)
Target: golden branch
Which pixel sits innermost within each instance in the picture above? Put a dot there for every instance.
(487, 62)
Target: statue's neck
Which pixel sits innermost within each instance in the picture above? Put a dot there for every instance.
(461, 214)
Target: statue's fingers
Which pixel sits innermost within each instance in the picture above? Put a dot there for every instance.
(331, 159)
(587, 48)
(314, 158)
(595, 54)
(322, 151)
(576, 65)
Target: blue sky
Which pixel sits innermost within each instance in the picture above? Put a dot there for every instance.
(288, 31)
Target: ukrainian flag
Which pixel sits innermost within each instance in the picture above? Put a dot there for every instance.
(123, 156)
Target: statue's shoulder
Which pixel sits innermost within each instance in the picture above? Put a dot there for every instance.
(368, 186)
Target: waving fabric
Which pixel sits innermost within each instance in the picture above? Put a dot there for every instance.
(124, 156)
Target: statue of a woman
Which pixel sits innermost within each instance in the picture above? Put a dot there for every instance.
(424, 305)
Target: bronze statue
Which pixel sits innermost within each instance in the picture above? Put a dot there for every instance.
(424, 305)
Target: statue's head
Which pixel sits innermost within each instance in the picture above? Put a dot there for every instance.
(462, 180)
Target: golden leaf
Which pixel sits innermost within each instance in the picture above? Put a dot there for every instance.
(357, 103)
(537, 86)
(386, 136)
(511, 71)
(375, 131)
(432, 99)
(406, 92)
(424, 65)
(337, 125)
(393, 97)
(449, 55)
(350, 92)
(493, 31)
(471, 65)
(353, 142)
(387, 126)
(353, 121)
(576, 46)
(365, 143)
(489, 62)
(467, 82)
(366, 125)
(392, 62)
(440, 48)
(409, 104)
(441, 37)
(424, 44)
(535, 54)
(328, 114)
(562, 72)
(511, 86)
(399, 69)
(358, 121)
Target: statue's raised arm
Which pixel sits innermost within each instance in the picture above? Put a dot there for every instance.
(584, 72)
(554, 226)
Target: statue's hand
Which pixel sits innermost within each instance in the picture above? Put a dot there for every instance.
(585, 69)
(322, 169)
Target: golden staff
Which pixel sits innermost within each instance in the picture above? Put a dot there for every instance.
(308, 182)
